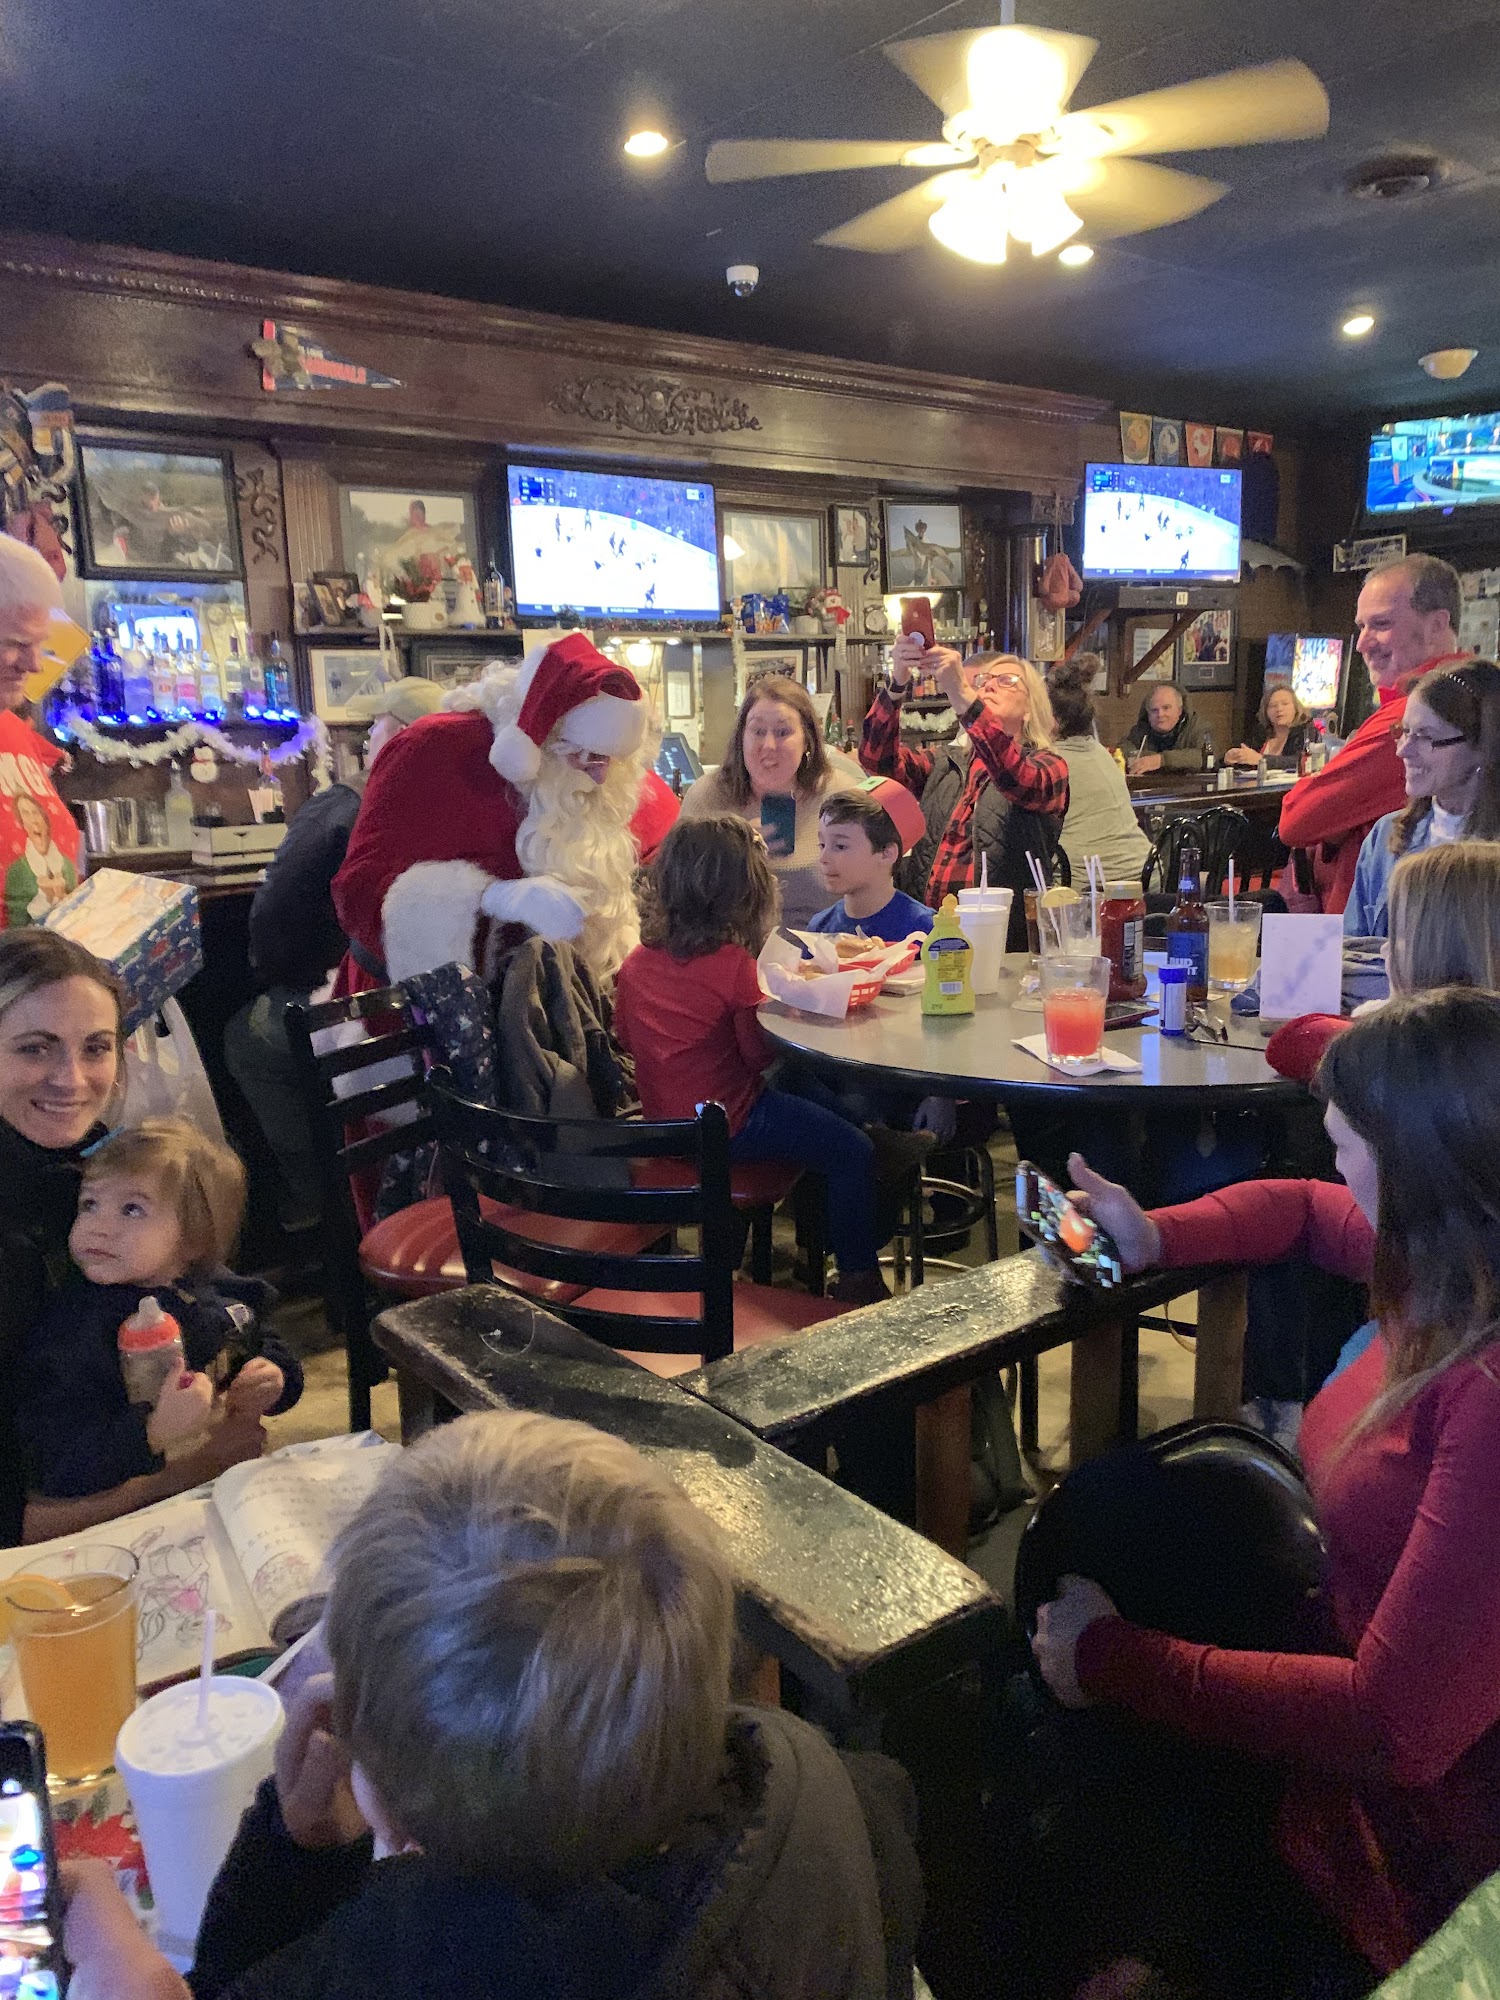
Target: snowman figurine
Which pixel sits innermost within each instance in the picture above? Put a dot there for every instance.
(204, 767)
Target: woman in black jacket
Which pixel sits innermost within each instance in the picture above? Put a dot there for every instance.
(61, 1077)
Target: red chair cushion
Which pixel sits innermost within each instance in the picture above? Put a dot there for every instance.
(414, 1253)
(761, 1312)
(753, 1184)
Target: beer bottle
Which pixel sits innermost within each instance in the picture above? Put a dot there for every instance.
(1187, 929)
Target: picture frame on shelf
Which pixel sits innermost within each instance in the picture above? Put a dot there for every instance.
(853, 537)
(448, 664)
(924, 545)
(339, 673)
(333, 599)
(397, 535)
(1205, 651)
(152, 516)
(770, 552)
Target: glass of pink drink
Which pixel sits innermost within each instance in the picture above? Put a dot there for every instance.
(1074, 991)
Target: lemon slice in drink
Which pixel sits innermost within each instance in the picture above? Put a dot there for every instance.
(1057, 899)
(28, 1592)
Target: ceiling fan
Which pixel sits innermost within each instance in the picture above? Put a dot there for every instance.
(1017, 164)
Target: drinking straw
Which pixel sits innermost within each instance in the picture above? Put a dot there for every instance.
(1231, 888)
(1036, 874)
(984, 869)
(206, 1668)
(1096, 869)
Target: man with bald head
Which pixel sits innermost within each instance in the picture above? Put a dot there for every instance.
(1406, 625)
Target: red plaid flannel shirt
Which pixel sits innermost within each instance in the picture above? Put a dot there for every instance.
(1035, 780)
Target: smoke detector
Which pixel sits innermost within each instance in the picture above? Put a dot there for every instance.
(1397, 177)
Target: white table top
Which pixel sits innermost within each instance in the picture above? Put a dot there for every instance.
(974, 1055)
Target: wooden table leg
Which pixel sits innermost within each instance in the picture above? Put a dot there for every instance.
(1094, 1393)
(1219, 1371)
(943, 1470)
(417, 1404)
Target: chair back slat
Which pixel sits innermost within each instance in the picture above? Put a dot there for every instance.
(542, 1166)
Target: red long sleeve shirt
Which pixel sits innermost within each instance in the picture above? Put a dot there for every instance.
(1337, 806)
(1392, 1812)
(1035, 780)
(691, 1026)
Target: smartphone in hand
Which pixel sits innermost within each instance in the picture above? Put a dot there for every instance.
(778, 823)
(1072, 1242)
(31, 1909)
(916, 616)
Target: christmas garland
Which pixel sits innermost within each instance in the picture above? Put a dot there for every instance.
(310, 734)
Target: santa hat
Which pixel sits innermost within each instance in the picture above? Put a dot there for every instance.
(597, 702)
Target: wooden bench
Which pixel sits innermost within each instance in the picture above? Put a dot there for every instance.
(856, 1384)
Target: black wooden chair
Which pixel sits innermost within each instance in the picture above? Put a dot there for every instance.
(658, 1302)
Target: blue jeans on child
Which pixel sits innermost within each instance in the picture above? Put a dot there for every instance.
(781, 1127)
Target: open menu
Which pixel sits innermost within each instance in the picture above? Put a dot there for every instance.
(252, 1545)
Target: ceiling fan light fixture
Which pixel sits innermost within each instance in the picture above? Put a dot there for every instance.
(1017, 83)
(1039, 215)
(938, 154)
(1446, 364)
(1076, 254)
(974, 221)
(1358, 325)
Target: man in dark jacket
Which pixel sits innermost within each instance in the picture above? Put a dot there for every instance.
(1167, 735)
(525, 1777)
(295, 943)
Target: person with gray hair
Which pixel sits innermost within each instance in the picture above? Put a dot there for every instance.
(1406, 625)
(38, 835)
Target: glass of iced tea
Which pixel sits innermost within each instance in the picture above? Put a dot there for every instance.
(1074, 991)
(72, 1621)
(1233, 943)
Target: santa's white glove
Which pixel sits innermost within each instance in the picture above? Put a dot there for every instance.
(540, 902)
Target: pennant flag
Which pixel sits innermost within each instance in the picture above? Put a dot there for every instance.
(1261, 441)
(1166, 440)
(1135, 438)
(1200, 444)
(292, 362)
(1229, 446)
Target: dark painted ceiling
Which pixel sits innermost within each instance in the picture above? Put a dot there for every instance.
(472, 147)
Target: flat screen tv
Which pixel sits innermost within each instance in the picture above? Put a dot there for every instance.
(1309, 663)
(1434, 462)
(612, 545)
(1161, 523)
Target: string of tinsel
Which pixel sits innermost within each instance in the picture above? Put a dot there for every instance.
(311, 734)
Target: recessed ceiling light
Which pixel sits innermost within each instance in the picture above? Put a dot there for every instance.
(646, 145)
(1359, 325)
(1076, 253)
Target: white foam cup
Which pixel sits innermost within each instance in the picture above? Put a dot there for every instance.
(189, 1786)
(984, 919)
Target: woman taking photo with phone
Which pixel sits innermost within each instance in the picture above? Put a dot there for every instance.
(776, 773)
(1389, 1741)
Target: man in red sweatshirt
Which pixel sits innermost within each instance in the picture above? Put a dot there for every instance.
(1406, 624)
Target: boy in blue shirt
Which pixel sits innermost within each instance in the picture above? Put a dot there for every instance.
(858, 848)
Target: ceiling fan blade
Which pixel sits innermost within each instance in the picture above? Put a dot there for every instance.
(898, 224)
(1124, 197)
(1243, 107)
(939, 65)
(767, 159)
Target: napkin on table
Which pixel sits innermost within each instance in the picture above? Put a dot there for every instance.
(1108, 1058)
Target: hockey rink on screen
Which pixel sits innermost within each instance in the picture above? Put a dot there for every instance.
(595, 561)
(1141, 534)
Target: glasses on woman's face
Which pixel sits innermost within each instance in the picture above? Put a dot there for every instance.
(997, 680)
(1420, 740)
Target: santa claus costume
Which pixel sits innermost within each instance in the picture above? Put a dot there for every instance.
(492, 813)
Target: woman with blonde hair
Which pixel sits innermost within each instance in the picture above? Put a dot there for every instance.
(1278, 733)
(1389, 1737)
(999, 789)
(776, 751)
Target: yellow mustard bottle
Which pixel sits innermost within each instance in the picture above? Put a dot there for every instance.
(947, 957)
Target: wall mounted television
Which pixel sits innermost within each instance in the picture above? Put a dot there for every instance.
(1310, 664)
(612, 545)
(1161, 523)
(1434, 463)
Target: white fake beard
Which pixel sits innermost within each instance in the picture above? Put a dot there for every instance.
(579, 832)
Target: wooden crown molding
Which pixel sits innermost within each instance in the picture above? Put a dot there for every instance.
(189, 281)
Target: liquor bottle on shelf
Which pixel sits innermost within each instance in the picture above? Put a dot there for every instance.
(210, 687)
(278, 682)
(234, 679)
(179, 810)
(255, 678)
(163, 681)
(269, 782)
(494, 595)
(185, 669)
(139, 697)
(1187, 929)
(108, 675)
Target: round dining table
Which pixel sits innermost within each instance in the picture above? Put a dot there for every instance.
(892, 1043)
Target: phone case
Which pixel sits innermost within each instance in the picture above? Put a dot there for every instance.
(916, 616)
(1073, 1243)
(778, 822)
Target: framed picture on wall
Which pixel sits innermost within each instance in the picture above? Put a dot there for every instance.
(156, 514)
(853, 537)
(924, 545)
(1205, 651)
(449, 665)
(1143, 635)
(771, 552)
(340, 673)
(394, 536)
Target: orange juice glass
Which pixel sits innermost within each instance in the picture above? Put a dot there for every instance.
(72, 1620)
(1074, 991)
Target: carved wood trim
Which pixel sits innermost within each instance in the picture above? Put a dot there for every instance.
(260, 503)
(651, 406)
(156, 275)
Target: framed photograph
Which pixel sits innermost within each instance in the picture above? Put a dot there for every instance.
(333, 594)
(1144, 634)
(771, 552)
(393, 536)
(449, 665)
(150, 515)
(338, 674)
(1205, 651)
(924, 545)
(853, 537)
